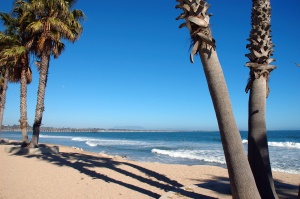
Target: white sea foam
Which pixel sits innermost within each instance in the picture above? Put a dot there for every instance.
(203, 155)
(108, 142)
(285, 144)
(91, 143)
(80, 139)
(281, 144)
(245, 141)
(293, 171)
(55, 136)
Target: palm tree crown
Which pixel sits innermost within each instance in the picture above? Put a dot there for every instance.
(53, 22)
(261, 46)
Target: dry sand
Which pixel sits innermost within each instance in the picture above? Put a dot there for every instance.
(78, 174)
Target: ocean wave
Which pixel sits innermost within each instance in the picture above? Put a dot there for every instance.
(292, 171)
(108, 142)
(285, 144)
(91, 143)
(281, 144)
(245, 141)
(203, 155)
(80, 139)
(55, 136)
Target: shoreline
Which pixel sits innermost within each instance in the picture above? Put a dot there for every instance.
(283, 153)
(75, 173)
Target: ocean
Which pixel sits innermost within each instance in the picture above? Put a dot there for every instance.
(188, 148)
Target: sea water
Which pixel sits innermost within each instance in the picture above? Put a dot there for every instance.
(189, 148)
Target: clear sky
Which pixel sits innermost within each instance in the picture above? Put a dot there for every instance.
(131, 67)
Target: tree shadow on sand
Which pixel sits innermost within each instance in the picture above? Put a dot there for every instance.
(222, 186)
(86, 164)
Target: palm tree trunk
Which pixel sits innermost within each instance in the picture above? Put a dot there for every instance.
(240, 175)
(45, 58)
(258, 152)
(3, 97)
(23, 106)
(261, 51)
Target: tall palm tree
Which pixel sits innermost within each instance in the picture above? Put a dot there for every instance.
(17, 56)
(197, 21)
(54, 20)
(5, 66)
(261, 49)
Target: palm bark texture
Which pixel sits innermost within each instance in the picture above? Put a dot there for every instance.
(261, 49)
(197, 21)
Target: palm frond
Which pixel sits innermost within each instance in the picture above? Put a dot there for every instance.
(6, 40)
(58, 48)
(13, 51)
(78, 15)
(9, 22)
(63, 29)
(35, 27)
(7, 19)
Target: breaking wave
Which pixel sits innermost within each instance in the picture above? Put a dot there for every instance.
(108, 142)
(203, 155)
(281, 144)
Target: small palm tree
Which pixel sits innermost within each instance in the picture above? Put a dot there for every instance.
(197, 21)
(4, 72)
(261, 49)
(17, 57)
(54, 20)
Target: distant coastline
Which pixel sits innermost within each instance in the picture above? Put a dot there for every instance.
(16, 128)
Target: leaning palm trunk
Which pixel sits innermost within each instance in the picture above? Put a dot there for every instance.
(261, 48)
(197, 21)
(44, 66)
(241, 178)
(23, 102)
(3, 96)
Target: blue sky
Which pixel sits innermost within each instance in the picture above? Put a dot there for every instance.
(131, 67)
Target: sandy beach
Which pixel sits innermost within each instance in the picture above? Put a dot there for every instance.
(73, 173)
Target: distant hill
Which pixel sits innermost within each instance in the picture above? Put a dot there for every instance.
(130, 127)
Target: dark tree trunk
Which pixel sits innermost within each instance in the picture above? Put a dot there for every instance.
(45, 58)
(258, 152)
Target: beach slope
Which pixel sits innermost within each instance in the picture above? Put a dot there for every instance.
(73, 173)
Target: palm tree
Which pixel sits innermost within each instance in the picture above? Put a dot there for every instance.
(197, 21)
(16, 55)
(4, 69)
(5, 42)
(54, 21)
(4, 79)
(261, 49)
